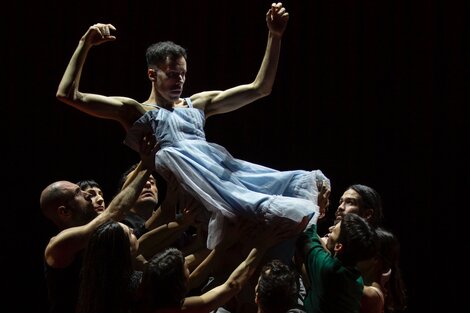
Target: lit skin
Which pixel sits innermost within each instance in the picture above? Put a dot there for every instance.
(332, 241)
(81, 207)
(167, 83)
(96, 198)
(348, 203)
(264, 238)
(76, 217)
(372, 300)
(147, 199)
(168, 79)
(150, 190)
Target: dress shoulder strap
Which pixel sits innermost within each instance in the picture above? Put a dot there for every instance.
(189, 102)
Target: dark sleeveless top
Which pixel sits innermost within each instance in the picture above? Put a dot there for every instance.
(62, 286)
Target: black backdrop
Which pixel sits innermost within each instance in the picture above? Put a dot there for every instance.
(372, 92)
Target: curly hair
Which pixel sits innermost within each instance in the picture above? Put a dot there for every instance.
(164, 283)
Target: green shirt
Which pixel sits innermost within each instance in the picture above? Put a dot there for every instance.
(334, 288)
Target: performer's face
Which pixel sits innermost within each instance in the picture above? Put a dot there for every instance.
(170, 78)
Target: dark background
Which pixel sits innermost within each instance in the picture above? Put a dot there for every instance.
(372, 92)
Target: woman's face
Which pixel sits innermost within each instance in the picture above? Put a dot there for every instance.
(96, 198)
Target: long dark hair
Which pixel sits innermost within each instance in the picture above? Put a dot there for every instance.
(389, 253)
(88, 183)
(370, 199)
(106, 271)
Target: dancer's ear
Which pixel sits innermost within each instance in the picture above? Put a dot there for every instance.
(152, 74)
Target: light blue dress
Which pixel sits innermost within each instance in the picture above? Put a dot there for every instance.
(226, 186)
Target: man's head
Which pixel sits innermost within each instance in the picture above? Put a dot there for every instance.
(166, 68)
(94, 189)
(362, 200)
(352, 240)
(158, 53)
(66, 205)
(147, 201)
(277, 288)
